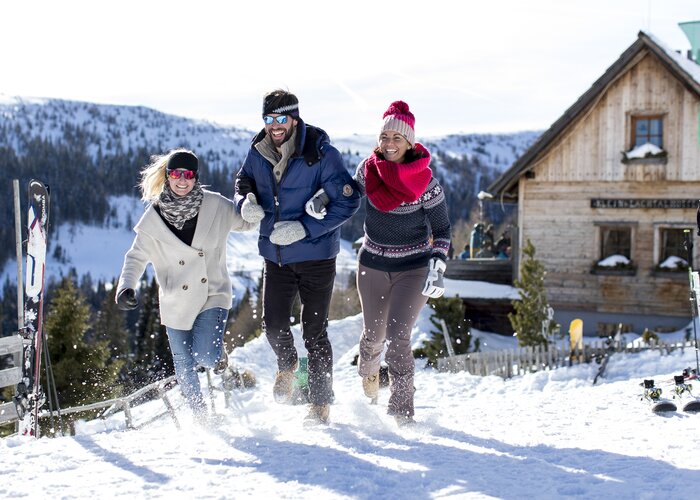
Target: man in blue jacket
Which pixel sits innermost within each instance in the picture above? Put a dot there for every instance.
(288, 162)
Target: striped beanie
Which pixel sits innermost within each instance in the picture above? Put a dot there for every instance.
(281, 102)
(398, 117)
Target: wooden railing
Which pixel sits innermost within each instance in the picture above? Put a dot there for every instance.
(511, 362)
(491, 270)
(158, 389)
(10, 348)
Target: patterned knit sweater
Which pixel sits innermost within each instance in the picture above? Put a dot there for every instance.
(407, 236)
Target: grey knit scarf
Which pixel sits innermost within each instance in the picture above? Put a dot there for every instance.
(278, 157)
(179, 209)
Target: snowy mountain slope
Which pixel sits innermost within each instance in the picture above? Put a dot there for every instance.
(546, 435)
(113, 129)
(117, 130)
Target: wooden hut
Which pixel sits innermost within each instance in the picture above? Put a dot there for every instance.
(607, 192)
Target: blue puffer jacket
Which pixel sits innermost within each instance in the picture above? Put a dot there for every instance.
(315, 164)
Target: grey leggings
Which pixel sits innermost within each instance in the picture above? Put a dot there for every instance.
(391, 303)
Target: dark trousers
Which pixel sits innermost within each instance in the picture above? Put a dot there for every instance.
(313, 282)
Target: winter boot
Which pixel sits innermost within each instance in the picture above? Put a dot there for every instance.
(318, 414)
(371, 387)
(221, 365)
(404, 421)
(284, 385)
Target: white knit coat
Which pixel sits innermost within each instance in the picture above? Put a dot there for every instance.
(192, 278)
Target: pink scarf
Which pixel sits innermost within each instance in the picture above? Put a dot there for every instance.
(389, 184)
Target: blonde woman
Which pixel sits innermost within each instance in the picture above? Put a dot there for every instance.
(183, 234)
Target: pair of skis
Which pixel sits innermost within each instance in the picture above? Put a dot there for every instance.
(682, 394)
(29, 396)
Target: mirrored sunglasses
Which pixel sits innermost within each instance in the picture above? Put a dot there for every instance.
(187, 174)
(281, 119)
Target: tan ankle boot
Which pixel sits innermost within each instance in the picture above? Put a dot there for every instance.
(404, 421)
(283, 387)
(318, 414)
(371, 387)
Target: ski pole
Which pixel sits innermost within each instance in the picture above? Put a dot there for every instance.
(18, 238)
(448, 340)
(694, 280)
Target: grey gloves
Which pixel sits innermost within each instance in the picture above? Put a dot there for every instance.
(126, 299)
(434, 284)
(316, 206)
(286, 232)
(251, 211)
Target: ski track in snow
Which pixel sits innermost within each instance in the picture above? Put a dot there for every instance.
(550, 434)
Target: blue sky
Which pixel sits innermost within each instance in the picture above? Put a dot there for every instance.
(468, 66)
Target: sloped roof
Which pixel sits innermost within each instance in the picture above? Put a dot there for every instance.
(685, 70)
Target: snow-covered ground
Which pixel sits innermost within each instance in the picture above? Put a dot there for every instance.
(544, 435)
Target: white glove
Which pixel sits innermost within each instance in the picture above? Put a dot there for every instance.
(287, 232)
(316, 206)
(251, 211)
(434, 285)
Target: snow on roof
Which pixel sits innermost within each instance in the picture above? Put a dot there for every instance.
(479, 290)
(690, 67)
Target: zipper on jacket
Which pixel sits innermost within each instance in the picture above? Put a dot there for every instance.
(277, 218)
(277, 203)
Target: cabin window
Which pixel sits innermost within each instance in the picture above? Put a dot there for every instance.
(672, 253)
(647, 129)
(616, 248)
(616, 240)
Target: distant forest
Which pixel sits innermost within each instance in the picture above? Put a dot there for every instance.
(80, 183)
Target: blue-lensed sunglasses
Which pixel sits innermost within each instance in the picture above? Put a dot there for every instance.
(281, 119)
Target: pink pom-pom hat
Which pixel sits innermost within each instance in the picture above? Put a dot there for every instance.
(398, 117)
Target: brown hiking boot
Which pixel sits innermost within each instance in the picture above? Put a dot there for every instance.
(318, 414)
(222, 364)
(284, 385)
(282, 390)
(371, 387)
(404, 421)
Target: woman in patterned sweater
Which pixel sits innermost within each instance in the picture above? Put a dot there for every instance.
(402, 258)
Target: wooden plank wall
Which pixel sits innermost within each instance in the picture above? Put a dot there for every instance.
(585, 163)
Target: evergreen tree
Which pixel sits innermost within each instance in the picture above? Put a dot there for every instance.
(109, 327)
(451, 310)
(243, 324)
(152, 357)
(530, 321)
(245, 320)
(345, 301)
(8, 308)
(81, 370)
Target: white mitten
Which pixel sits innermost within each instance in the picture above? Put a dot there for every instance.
(434, 284)
(287, 232)
(316, 206)
(251, 211)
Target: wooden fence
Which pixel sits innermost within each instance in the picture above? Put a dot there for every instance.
(511, 362)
